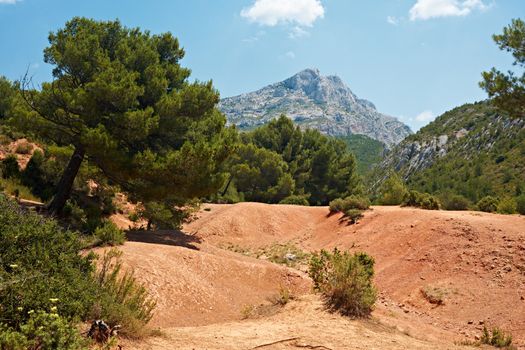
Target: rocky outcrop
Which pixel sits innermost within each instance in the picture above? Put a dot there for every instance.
(466, 132)
(314, 101)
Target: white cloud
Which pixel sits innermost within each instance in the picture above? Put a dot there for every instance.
(297, 32)
(426, 9)
(9, 2)
(425, 116)
(273, 12)
(392, 20)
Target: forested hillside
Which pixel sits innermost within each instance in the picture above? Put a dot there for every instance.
(367, 151)
(474, 150)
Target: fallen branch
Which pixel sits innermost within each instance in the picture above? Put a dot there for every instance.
(275, 342)
(312, 346)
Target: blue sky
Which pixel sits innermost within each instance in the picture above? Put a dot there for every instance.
(414, 59)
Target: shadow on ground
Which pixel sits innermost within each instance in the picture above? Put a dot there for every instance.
(166, 237)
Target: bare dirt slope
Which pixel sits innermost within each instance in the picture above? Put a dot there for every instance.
(476, 260)
(196, 284)
(302, 324)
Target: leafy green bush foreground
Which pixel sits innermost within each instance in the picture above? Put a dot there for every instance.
(352, 207)
(46, 286)
(345, 280)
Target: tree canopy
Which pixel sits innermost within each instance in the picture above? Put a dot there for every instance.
(279, 159)
(7, 93)
(508, 89)
(121, 100)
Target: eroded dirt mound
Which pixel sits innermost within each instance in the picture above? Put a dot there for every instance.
(470, 264)
(474, 263)
(196, 284)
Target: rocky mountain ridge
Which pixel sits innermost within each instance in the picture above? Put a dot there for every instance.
(315, 101)
(471, 149)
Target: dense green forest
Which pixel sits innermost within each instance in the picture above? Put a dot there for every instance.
(367, 151)
(280, 163)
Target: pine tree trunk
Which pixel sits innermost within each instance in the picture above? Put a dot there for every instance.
(227, 186)
(66, 182)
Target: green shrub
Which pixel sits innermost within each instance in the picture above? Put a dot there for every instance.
(33, 176)
(429, 202)
(520, 204)
(353, 215)
(488, 204)
(109, 234)
(295, 200)
(412, 199)
(350, 202)
(507, 206)
(393, 191)
(357, 202)
(75, 215)
(12, 186)
(345, 280)
(163, 215)
(337, 205)
(24, 148)
(39, 263)
(421, 200)
(44, 331)
(121, 300)
(10, 167)
(455, 202)
(496, 338)
(41, 268)
(134, 217)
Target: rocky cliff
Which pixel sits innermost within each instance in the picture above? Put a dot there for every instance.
(315, 101)
(473, 149)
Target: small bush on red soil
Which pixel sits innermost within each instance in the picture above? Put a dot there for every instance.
(345, 280)
(454, 202)
(24, 148)
(353, 215)
(497, 338)
(122, 300)
(352, 207)
(350, 202)
(507, 206)
(488, 204)
(421, 200)
(109, 234)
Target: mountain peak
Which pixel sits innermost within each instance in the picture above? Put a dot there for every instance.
(321, 89)
(315, 101)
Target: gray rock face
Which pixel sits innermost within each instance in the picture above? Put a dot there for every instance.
(314, 101)
(465, 132)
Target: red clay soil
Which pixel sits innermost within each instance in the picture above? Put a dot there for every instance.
(477, 260)
(196, 284)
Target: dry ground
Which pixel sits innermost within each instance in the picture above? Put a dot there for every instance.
(476, 261)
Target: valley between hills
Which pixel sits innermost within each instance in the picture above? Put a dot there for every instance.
(206, 276)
